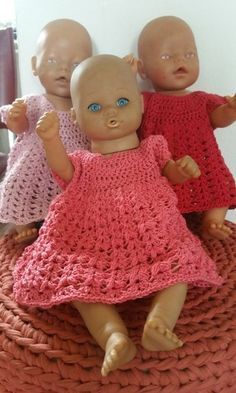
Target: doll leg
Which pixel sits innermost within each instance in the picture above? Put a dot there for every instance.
(213, 225)
(164, 313)
(109, 331)
(26, 233)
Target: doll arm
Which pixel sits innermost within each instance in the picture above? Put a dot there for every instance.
(16, 119)
(177, 172)
(48, 130)
(225, 114)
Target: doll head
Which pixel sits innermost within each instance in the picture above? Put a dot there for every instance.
(168, 55)
(61, 46)
(107, 104)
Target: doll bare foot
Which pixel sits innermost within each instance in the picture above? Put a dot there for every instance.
(26, 235)
(158, 337)
(215, 230)
(119, 350)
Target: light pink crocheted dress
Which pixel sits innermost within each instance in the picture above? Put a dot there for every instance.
(114, 234)
(28, 186)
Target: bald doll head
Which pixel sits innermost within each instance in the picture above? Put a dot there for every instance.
(168, 54)
(106, 99)
(61, 46)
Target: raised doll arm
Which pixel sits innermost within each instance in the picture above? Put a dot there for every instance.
(177, 172)
(225, 114)
(16, 119)
(48, 130)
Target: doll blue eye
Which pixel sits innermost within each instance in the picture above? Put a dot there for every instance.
(122, 101)
(94, 107)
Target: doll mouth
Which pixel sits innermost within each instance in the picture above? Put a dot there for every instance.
(62, 79)
(181, 71)
(112, 123)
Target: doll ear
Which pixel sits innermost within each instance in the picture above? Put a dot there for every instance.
(33, 65)
(141, 71)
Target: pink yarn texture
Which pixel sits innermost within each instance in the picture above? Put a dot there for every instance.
(51, 351)
(28, 186)
(113, 235)
(184, 122)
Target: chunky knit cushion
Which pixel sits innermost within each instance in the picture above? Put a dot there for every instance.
(52, 352)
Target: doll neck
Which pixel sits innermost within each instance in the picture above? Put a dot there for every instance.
(183, 92)
(127, 142)
(59, 103)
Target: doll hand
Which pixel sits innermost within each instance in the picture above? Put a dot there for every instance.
(17, 110)
(231, 101)
(188, 168)
(132, 61)
(48, 126)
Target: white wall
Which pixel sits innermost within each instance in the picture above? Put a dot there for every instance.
(114, 26)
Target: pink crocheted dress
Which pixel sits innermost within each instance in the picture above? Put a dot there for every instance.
(114, 234)
(28, 186)
(184, 122)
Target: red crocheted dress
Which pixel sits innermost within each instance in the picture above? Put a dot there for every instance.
(113, 234)
(184, 122)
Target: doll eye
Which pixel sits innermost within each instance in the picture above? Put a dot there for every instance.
(165, 56)
(74, 65)
(190, 55)
(52, 61)
(122, 101)
(94, 107)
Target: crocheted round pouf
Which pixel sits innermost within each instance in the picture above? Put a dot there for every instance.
(52, 352)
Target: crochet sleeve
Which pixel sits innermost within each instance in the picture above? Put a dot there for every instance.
(76, 162)
(3, 113)
(213, 101)
(161, 150)
(33, 111)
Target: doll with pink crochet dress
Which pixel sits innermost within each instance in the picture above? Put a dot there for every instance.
(115, 232)
(168, 58)
(28, 186)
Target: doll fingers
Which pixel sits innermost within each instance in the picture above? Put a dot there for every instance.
(129, 58)
(188, 167)
(196, 173)
(16, 110)
(18, 101)
(47, 120)
(184, 161)
(132, 61)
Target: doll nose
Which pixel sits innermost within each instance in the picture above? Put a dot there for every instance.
(111, 118)
(63, 66)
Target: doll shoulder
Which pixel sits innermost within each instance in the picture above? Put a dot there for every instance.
(158, 146)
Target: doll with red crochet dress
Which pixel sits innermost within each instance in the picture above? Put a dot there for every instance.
(28, 186)
(168, 58)
(115, 232)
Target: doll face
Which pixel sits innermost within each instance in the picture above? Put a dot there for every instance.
(59, 52)
(106, 100)
(170, 59)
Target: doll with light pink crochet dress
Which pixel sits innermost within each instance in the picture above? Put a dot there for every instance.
(28, 186)
(168, 58)
(115, 232)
